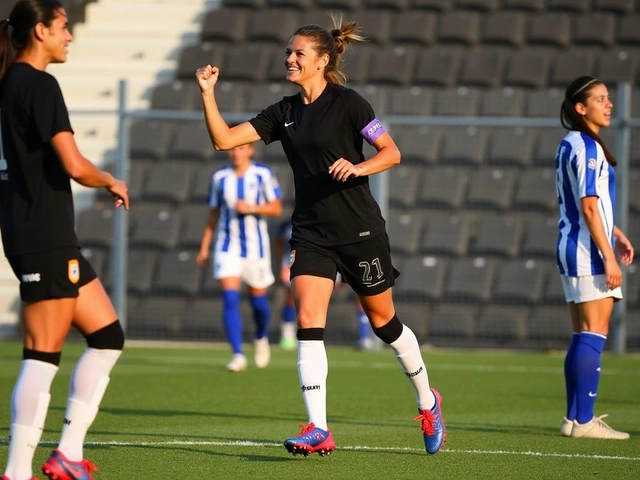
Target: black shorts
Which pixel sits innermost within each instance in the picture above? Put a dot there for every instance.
(57, 273)
(366, 266)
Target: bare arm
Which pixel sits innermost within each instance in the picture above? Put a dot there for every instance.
(596, 229)
(623, 246)
(387, 156)
(270, 209)
(84, 172)
(205, 244)
(222, 137)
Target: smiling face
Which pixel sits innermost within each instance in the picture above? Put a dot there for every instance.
(596, 110)
(302, 61)
(56, 37)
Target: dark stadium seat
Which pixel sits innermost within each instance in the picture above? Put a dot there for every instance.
(272, 25)
(225, 25)
(521, 281)
(418, 144)
(416, 317)
(443, 187)
(95, 228)
(459, 27)
(502, 323)
(524, 5)
(256, 4)
(528, 68)
(168, 182)
(149, 139)
(548, 139)
(409, 101)
(191, 143)
(247, 62)
(194, 219)
(573, 6)
(414, 27)
(470, 279)
(98, 258)
(392, 65)
(422, 279)
(392, 5)
(260, 96)
(617, 65)
(505, 28)
(616, 6)
(544, 103)
(502, 102)
(177, 274)
(137, 176)
(437, 66)
(356, 63)
(375, 25)
(597, 29)
(540, 236)
(209, 287)
(482, 67)
(157, 317)
(550, 29)
(491, 187)
(498, 235)
(195, 56)
(464, 146)
(479, 5)
(634, 193)
(536, 190)
(631, 288)
(376, 95)
(203, 319)
(628, 32)
(404, 185)
(317, 16)
(446, 234)
(457, 101)
(434, 5)
(511, 147)
(554, 294)
(404, 227)
(453, 321)
(569, 65)
(301, 5)
(550, 322)
(141, 263)
(202, 181)
(347, 5)
(156, 226)
(175, 95)
(230, 96)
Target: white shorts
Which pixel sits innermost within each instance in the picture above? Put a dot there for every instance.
(255, 273)
(588, 288)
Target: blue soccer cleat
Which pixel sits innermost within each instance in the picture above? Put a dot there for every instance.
(58, 467)
(311, 440)
(433, 429)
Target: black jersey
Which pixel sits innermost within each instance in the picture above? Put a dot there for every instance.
(328, 212)
(36, 204)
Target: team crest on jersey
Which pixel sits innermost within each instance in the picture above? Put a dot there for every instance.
(74, 271)
(292, 258)
(592, 164)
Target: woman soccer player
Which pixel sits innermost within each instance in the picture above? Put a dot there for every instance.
(337, 225)
(240, 196)
(58, 287)
(586, 253)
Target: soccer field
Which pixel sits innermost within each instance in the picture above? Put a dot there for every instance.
(176, 413)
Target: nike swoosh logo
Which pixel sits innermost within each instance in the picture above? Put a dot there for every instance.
(286, 124)
(592, 394)
(76, 472)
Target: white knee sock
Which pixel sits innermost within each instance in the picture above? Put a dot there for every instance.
(88, 383)
(312, 370)
(407, 352)
(29, 405)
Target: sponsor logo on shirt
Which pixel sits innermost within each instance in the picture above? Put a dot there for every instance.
(592, 164)
(30, 278)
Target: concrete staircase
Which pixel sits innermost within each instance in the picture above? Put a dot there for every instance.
(136, 40)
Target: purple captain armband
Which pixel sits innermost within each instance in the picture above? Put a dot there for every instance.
(372, 131)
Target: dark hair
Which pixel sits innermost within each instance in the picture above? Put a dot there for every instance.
(578, 92)
(332, 43)
(15, 31)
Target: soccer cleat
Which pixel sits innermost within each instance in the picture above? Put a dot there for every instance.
(4, 477)
(58, 467)
(433, 429)
(566, 427)
(238, 363)
(311, 440)
(288, 343)
(262, 354)
(597, 428)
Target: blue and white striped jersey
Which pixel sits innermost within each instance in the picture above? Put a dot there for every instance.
(245, 235)
(581, 171)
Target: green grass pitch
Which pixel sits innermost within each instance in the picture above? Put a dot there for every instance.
(174, 412)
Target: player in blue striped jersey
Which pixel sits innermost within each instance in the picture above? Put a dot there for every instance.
(240, 196)
(586, 251)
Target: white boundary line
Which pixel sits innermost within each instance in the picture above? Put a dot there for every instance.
(356, 448)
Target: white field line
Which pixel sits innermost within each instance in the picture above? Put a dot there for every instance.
(356, 448)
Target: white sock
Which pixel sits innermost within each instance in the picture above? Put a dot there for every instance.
(87, 386)
(29, 405)
(312, 370)
(289, 330)
(407, 352)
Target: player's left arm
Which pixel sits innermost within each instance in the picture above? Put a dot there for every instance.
(623, 246)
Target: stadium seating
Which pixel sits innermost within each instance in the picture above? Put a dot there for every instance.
(473, 211)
